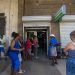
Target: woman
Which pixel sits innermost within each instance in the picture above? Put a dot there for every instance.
(28, 48)
(70, 49)
(35, 42)
(14, 50)
(52, 49)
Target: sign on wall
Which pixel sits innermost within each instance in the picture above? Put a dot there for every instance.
(62, 11)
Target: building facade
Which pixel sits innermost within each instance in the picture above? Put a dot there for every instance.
(10, 10)
(34, 16)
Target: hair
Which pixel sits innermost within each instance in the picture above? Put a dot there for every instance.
(34, 36)
(13, 34)
(72, 34)
(16, 35)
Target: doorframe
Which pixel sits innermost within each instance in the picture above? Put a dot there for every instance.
(28, 28)
(38, 21)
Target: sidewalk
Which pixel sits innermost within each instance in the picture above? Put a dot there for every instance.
(62, 66)
(37, 67)
(3, 65)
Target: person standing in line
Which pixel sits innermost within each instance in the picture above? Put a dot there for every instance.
(35, 42)
(13, 52)
(20, 55)
(70, 52)
(28, 46)
(32, 47)
(52, 48)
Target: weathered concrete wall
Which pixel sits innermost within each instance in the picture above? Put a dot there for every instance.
(55, 30)
(48, 7)
(15, 9)
(43, 7)
(10, 8)
(20, 14)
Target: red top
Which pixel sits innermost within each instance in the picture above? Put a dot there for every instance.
(28, 44)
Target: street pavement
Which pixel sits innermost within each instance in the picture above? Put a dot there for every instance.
(62, 66)
(40, 66)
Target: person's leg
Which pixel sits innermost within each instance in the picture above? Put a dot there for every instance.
(24, 55)
(12, 68)
(54, 54)
(53, 61)
(20, 59)
(20, 67)
(36, 51)
(12, 65)
(29, 54)
(55, 58)
(15, 73)
(2, 52)
(15, 63)
(20, 70)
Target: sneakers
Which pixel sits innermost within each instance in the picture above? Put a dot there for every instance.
(21, 71)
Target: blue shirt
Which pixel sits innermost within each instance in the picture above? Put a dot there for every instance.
(53, 42)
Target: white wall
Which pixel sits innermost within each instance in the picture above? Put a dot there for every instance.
(65, 30)
(66, 27)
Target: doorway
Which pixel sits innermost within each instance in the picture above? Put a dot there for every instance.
(30, 34)
(42, 38)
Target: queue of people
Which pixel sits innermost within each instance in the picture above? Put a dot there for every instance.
(18, 49)
(15, 50)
